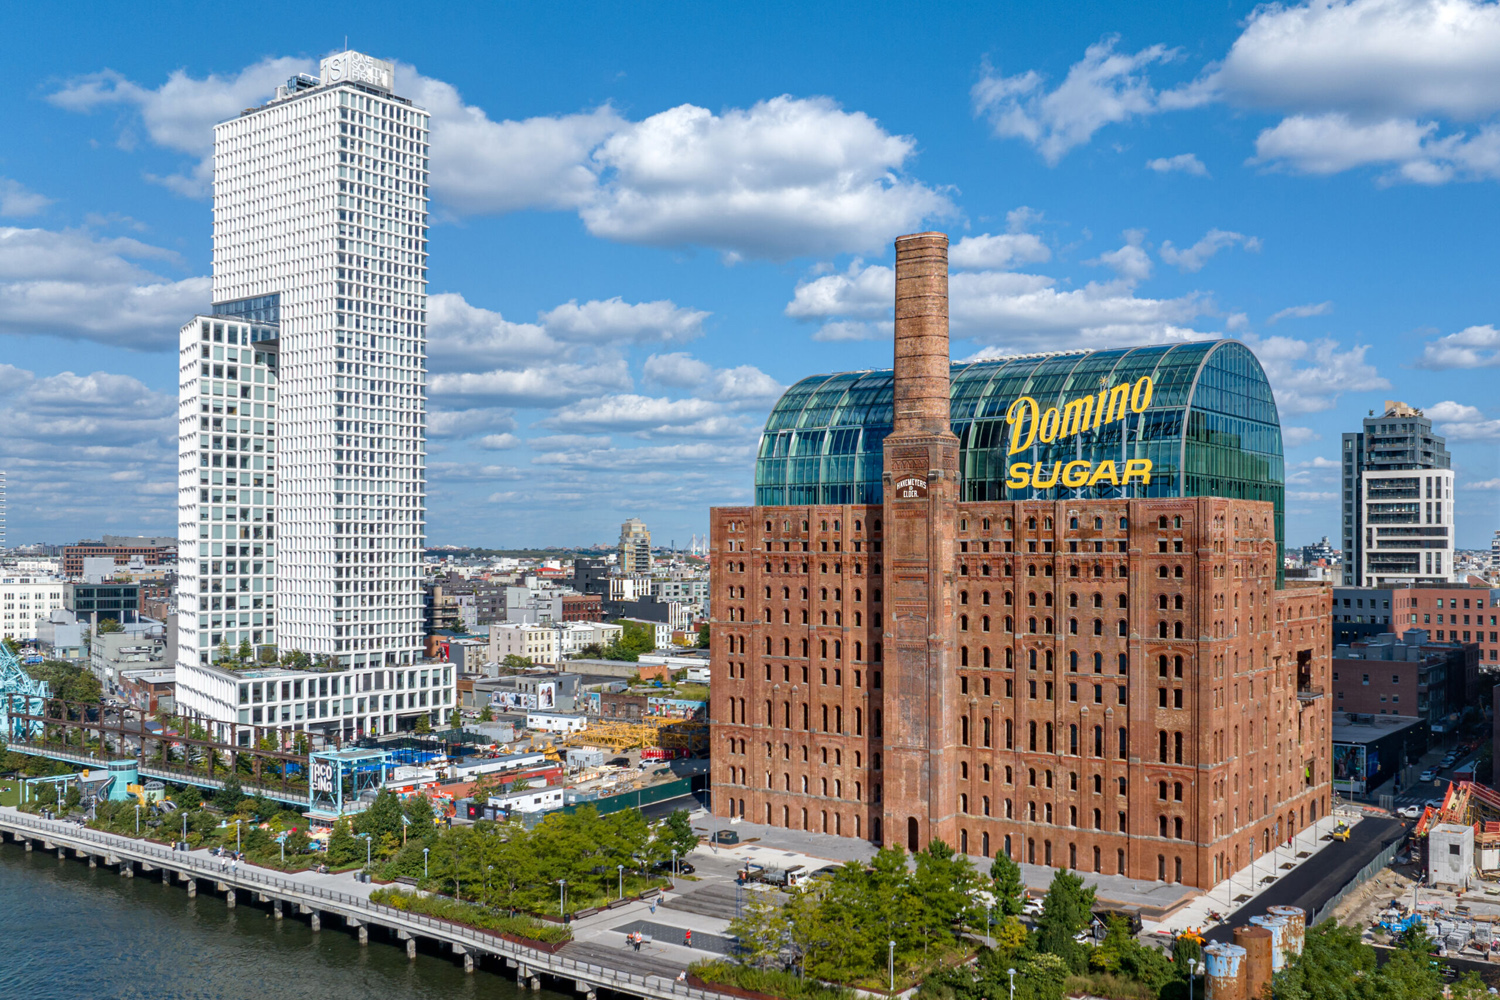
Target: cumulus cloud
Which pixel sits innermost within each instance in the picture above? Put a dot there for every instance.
(498, 442)
(846, 330)
(544, 384)
(678, 369)
(1103, 88)
(1194, 257)
(1185, 163)
(616, 321)
(741, 386)
(1294, 437)
(783, 178)
(1411, 86)
(73, 285)
(1301, 312)
(181, 113)
(1486, 485)
(1309, 376)
(1130, 262)
(1472, 347)
(17, 200)
(468, 423)
(1461, 422)
(1001, 251)
(84, 450)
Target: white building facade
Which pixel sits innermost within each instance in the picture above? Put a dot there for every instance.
(24, 600)
(302, 460)
(1408, 527)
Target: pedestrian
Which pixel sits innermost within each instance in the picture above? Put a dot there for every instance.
(682, 976)
(688, 938)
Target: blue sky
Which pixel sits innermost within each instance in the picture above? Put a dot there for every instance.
(650, 220)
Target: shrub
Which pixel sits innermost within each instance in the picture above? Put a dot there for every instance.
(775, 982)
(472, 915)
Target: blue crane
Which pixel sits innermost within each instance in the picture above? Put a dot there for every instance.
(19, 693)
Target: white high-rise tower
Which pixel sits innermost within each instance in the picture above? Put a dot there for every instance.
(302, 416)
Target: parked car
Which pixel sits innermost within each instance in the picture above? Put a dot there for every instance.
(1434, 803)
(1429, 774)
(1410, 812)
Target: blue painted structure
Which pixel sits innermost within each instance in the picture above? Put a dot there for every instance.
(20, 694)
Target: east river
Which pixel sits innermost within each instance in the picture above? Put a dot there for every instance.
(68, 931)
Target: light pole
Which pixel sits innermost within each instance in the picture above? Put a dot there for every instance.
(184, 829)
(237, 836)
(282, 841)
(1012, 974)
(674, 862)
(424, 861)
(621, 870)
(562, 898)
(137, 819)
(891, 961)
(367, 849)
(1192, 971)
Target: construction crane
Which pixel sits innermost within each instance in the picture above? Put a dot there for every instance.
(19, 694)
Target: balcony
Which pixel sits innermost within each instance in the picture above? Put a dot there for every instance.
(1309, 694)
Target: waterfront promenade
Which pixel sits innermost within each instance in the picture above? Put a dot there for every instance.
(596, 960)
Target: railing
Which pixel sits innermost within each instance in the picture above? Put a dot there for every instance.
(245, 879)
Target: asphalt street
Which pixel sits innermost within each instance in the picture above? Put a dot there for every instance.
(1319, 879)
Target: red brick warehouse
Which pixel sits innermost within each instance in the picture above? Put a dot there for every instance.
(1030, 605)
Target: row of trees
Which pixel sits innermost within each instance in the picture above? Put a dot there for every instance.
(506, 866)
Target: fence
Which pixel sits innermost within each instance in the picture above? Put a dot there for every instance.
(634, 799)
(1365, 874)
(553, 964)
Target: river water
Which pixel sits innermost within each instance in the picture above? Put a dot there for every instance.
(68, 931)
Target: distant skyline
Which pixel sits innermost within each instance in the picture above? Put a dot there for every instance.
(650, 221)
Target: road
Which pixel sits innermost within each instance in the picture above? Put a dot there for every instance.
(1311, 885)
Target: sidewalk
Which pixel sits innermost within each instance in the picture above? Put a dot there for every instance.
(1249, 881)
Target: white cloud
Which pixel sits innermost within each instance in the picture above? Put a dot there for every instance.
(1310, 376)
(1370, 58)
(1103, 88)
(628, 412)
(784, 178)
(1016, 246)
(462, 337)
(1461, 422)
(545, 384)
(1487, 485)
(498, 442)
(1194, 257)
(1186, 163)
(615, 320)
(69, 284)
(1301, 312)
(16, 200)
(181, 113)
(467, 423)
(1294, 437)
(1130, 262)
(1012, 312)
(1311, 495)
(678, 369)
(1472, 347)
(1331, 143)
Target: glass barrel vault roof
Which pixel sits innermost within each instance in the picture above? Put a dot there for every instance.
(1211, 428)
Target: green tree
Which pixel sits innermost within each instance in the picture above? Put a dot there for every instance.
(223, 654)
(703, 636)
(228, 798)
(514, 662)
(383, 818)
(1009, 890)
(343, 847)
(486, 714)
(110, 625)
(420, 814)
(301, 743)
(424, 723)
(946, 882)
(455, 719)
(246, 652)
(675, 833)
(298, 842)
(1066, 909)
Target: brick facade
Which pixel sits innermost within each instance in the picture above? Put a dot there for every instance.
(1110, 685)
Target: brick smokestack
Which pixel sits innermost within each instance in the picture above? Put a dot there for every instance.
(921, 389)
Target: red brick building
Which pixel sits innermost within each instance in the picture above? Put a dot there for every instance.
(582, 608)
(1107, 683)
(1451, 614)
(74, 555)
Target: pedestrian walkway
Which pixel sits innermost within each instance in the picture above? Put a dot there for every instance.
(1255, 878)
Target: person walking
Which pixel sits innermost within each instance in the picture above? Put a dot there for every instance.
(688, 938)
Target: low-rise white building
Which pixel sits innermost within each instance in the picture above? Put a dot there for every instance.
(529, 800)
(23, 600)
(537, 642)
(556, 722)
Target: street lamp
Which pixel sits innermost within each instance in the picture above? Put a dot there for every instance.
(237, 836)
(562, 898)
(891, 960)
(1012, 974)
(1192, 971)
(674, 862)
(424, 861)
(184, 829)
(621, 870)
(367, 849)
(137, 819)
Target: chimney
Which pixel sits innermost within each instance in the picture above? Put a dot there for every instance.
(921, 385)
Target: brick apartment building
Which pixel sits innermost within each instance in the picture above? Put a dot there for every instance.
(150, 555)
(1408, 675)
(912, 642)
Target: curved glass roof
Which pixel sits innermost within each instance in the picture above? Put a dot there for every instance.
(1211, 428)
